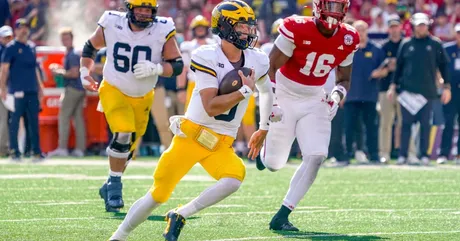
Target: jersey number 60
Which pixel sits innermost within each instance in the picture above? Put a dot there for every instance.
(124, 60)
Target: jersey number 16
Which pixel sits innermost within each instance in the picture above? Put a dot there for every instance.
(122, 62)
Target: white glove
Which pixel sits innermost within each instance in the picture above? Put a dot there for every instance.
(277, 114)
(145, 68)
(333, 100)
(84, 72)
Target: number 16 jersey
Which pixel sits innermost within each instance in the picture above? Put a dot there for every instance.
(126, 48)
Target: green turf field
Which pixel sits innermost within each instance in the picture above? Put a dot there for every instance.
(58, 200)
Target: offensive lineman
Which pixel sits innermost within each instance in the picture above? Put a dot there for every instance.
(140, 47)
(186, 81)
(307, 49)
(206, 133)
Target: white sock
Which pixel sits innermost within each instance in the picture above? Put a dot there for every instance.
(302, 180)
(137, 214)
(214, 194)
(115, 174)
(239, 146)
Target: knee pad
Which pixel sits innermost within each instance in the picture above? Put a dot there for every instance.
(120, 145)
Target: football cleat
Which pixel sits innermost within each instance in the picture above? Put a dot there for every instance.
(175, 224)
(103, 195)
(282, 224)
(114, 193)
(259, 164)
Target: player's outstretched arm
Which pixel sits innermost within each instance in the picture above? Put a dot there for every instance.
(94, 43)
(173, 64)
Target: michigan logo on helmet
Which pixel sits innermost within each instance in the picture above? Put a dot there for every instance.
(235, 22)
(141, 19)
(199, 21)
(330, 12)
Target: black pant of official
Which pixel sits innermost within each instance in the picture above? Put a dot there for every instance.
(451, 110)
(336, 149)
(423, 116)
(28, 105)
(366, 111)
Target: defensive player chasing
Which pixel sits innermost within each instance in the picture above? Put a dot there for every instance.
(307, 49)
(186, 81)
(140, 47)
(206, 133)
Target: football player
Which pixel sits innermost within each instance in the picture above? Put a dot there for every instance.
(306, 50)
(186, 81)
(140, 47)
(206, 133)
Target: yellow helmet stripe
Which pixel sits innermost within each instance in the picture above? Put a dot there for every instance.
(202, 68)
(170, 34)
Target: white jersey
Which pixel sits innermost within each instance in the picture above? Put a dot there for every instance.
(187, 48)
(211, 65)
(125, 48)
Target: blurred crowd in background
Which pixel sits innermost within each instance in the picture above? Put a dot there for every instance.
(46, 17)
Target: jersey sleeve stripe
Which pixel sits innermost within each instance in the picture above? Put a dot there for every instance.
(170, 34)
(194, 65)
(286, 32)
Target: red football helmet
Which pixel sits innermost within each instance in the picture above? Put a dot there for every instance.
(330, 12)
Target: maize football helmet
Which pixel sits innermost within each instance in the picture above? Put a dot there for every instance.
(143, 21)
(199, 21)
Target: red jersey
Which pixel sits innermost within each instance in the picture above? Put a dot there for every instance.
(314, 55)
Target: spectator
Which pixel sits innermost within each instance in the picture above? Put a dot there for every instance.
(6, 35)
(378, 25)
(443, 29)
(5, 13)
(18, 8)
(362, 98)
(272, 10)
(35, 14)
(72, 103)
(452, 109)
(19, 67)
(389, 108)
(418, 60)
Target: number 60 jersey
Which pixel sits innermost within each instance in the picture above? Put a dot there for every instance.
(312, 56)
(126, 48)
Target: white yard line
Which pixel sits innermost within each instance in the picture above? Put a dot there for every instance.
(249, 213)
(337, 235)
(199, 178)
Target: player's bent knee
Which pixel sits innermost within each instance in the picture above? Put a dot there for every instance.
(273, 164)
(231, 184)
(120, 145)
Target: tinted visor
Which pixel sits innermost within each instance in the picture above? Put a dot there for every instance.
(334, 7)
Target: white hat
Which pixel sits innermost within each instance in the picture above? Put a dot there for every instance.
(6, 31)
(457, 27)
(420, 18)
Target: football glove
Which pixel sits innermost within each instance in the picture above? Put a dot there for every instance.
(333, 100)
(277, 113)
(145, 68)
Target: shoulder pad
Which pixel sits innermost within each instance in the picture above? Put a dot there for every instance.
(165, 26)
(108, 16)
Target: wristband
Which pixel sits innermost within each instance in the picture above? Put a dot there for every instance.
(245, 91)
(83, 73)
(340, 89)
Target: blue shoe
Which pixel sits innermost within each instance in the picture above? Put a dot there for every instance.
(114, 193)
(259, 164)
(175, 224)
(103, 194)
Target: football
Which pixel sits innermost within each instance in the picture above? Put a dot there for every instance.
(232, 81)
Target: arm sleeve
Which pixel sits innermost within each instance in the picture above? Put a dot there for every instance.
(205, 75)
(399, 65)
(264, 86)
(443, 63)
(285, 45)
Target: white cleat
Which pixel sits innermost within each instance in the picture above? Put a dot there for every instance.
(441, 160)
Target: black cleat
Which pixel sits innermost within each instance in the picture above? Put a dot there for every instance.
(259, 164)
(175, 224)
(103, 194)
(279, 224)
(114, 193)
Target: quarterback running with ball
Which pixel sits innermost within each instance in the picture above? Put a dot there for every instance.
(140, 47)
(206, 133)
(306, 50)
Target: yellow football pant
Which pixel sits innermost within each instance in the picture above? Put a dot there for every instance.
(124, 113)
(185, 152)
